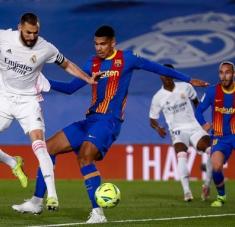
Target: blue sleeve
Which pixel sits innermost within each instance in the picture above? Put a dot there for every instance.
(143, 63)
(75, 84)
(207, 100)
(67, 88)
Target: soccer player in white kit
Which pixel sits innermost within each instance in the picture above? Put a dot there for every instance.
(23, 54)
(173, 99)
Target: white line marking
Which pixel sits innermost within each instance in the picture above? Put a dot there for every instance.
(142, 220)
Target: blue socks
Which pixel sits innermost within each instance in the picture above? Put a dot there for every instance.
(92, 181)
(218, 178)
(40, 183)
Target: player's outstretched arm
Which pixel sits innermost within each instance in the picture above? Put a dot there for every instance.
(198, 83)
(206, 101)
(67, 87)
(155, 125)
(74, 70)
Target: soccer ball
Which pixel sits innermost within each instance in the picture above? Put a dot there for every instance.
(107, 195)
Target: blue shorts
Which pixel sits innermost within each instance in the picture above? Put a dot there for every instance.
(99, 129)
(225, 144)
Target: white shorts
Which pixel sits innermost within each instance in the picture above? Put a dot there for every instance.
(25, 109)
(188, 136)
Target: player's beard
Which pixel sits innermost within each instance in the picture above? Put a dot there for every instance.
(28, 43)
(227, 83)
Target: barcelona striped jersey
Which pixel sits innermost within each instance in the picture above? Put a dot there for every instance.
(110, 94)
(222, 104)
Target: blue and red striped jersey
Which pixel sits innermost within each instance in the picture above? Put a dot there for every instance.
(110, 94)
(222, 104)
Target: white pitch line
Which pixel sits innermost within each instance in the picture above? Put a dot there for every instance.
(141, 220)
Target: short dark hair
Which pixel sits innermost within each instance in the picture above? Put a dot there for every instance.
(169, 66)
(105, 31)
(29, 18)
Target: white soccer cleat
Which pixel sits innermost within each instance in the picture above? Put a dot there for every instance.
(96, 216)
(188, 197)
(28, 207)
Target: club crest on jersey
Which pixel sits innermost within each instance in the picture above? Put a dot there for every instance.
(33, 59)
(118, 62)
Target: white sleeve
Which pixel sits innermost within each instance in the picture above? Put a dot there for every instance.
(54, 55)
(155, 108)
(192, 94)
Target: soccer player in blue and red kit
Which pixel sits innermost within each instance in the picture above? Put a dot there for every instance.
(221, 100)
(91, 138)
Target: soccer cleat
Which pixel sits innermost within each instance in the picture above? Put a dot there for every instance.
(19, 173)
(52, 204)
(205, 192)
(219, 202)
(28, 207)
(96, 216)
(188, 197)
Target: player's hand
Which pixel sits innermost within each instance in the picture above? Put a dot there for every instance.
(199, 83)
(95, 77)
(207, 126)
(161, 131)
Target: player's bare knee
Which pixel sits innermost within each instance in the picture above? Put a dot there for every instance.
(179, 147)
(203, 143)
(217, 167)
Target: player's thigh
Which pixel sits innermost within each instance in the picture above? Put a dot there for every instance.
(220, 151)
(30, 117)
(58, 144)
(200, 139)
(6, 116)
(103, 133)
(180, 136)
(4, 123)
(74, 134)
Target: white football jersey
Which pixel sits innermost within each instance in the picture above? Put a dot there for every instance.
(20, 66)
(175, 105)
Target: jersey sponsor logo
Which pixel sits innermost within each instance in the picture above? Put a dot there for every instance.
(218, 100)
(17, 67)
(108, 73)
(188, 41)
(225, 110)
(177, 107)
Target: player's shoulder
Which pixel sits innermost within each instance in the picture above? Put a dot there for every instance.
(8, 33)
(129, 53)
(183, 85)
(211, 88)
(160, 94)
(41, 42)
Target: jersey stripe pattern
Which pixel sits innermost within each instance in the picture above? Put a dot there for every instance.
(223, 112)
(106, 95)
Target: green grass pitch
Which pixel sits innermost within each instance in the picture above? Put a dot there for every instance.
(142, 204)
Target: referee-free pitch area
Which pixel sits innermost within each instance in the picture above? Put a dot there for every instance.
(142, 203)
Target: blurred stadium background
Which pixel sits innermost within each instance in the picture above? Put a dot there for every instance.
(193, 35)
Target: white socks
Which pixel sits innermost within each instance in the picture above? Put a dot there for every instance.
(46, 165)
(208, 178)
(36, 200)
(183, 170)
(7, 159)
